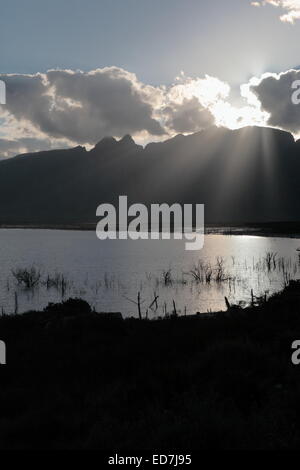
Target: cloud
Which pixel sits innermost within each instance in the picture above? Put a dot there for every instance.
(188, 116)
(82, 107)
(9, 148)
(189, 102)
(63, 108)
(291, 8)
(274, 93)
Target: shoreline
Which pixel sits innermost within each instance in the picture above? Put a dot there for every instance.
(277, 229)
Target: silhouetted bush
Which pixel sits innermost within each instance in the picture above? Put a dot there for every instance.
(70, 307)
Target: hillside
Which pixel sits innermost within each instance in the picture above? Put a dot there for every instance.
(245, 175)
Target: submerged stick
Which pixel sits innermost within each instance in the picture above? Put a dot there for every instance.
(227, 303)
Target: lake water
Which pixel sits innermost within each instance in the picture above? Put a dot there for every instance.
(109, 274)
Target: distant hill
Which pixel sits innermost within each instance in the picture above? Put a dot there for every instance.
(250, 174)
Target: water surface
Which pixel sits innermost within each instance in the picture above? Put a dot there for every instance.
(109, 274)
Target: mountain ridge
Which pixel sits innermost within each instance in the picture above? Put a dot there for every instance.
(248, 174)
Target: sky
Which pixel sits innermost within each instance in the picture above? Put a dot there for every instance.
(77, 70)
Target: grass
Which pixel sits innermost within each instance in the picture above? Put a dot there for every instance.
(235, 277)
(77, 379)
(27, 277)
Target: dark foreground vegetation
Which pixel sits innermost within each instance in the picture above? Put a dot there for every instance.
(76, 379)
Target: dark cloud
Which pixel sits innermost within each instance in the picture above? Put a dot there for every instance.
(188, 116)
(275, 92)
(83, 107)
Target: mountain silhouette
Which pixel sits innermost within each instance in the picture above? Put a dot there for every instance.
(245, 175)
